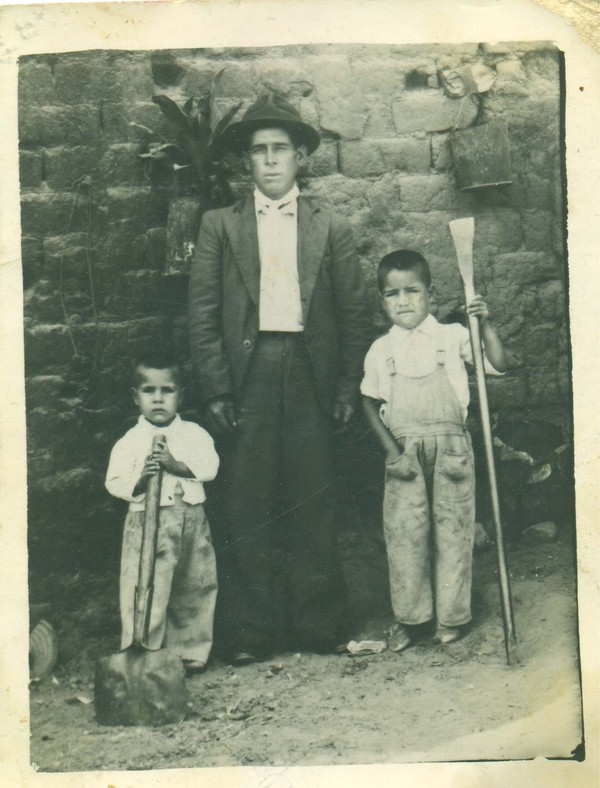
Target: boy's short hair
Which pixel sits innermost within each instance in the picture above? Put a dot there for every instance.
(403, 260)
(160, 358)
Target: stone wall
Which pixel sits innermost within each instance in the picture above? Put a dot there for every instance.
(93, 229)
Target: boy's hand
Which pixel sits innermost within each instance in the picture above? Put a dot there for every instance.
(151, 468)
(478, 308)
(163, 457)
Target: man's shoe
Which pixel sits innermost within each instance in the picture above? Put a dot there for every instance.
(445, 635)
(398, 638)
(192, 666)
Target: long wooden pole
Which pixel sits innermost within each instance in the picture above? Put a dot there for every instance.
(145, 586)
(462, 231)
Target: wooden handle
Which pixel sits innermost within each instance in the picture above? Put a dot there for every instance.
(148, 553)
(462, 234)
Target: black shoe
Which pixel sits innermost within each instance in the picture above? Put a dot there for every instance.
(241, 658)
(193, 666)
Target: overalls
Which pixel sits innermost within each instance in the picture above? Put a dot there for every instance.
(185, 580)
(429, 501)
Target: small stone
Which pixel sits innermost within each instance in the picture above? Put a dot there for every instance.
(540, 532)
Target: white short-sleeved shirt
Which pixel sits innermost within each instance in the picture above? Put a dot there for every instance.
(415, 355)
(187, 442)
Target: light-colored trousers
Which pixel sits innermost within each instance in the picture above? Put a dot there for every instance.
(429, 521)
(185, 580)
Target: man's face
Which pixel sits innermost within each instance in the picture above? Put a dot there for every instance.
(405, 298)
(157, 395)
(273, 161)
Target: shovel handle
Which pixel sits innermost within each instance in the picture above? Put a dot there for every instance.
(462, 231)
(143, 601)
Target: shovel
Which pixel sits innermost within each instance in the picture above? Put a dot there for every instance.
(141, 686)
(462, 231)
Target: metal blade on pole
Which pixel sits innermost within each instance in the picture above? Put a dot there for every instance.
(462, 231)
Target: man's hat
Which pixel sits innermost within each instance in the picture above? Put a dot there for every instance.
(269, 110)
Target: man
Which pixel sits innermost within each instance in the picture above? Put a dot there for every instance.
(279, 327)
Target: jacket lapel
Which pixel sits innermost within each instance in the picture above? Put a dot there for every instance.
(312, 238)
(241, 229)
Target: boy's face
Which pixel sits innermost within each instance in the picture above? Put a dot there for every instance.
(405, 298)
(273, 161)
(157, 395)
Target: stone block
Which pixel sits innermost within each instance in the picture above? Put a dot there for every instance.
(120, 164)
(544, 388)
(499, 228)
(430, 110)
(116, 249)
(538, 229)
(552, 301)
(380, 123)
(342, 107)
(66, 256)
(361, 159)
(376, 157)
(538, 192)
(36, 83)
(324, 161)
(137, 294)
(45, 346)
(30, 169)
(51, 213)
(383, 198)
(377, 75)
(540, 345)
(65, 166)
(89, 77)
(41, 303)
(132, 75)
(237, 81)
(138, 121)
(521, 268)
(140, 205)
(511, 69)
(428, 193)
(285, 76)
(427, 233)
(441, 155)
(58, 125)
(43, 390)
(508, 391)
(32, 259)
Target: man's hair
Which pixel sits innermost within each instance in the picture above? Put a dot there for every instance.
(161, 358)
(293, 133)
(403, 260)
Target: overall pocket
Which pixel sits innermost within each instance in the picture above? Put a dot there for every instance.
(403, 467)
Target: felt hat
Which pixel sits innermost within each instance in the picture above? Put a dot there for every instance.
(269, 110)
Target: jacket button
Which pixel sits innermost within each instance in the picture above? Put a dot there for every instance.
(247, 343)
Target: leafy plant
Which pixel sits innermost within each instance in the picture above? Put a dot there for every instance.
(198, 126)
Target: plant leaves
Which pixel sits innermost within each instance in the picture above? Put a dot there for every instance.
(214, 87)
(221, 125)
(172, 112)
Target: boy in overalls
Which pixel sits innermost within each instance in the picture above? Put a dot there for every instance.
(415, 394)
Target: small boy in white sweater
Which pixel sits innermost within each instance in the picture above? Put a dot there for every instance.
(185, 579)
(415, 396)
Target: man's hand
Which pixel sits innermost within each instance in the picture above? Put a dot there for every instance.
(221, 414)
(342, 415)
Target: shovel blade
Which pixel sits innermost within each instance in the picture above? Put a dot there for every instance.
(138, 687)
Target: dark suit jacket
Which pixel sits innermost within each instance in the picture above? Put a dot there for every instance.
(224, 294)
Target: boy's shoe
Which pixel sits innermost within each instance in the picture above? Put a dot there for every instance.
(192, 666)
(446, 635)
(398, 638)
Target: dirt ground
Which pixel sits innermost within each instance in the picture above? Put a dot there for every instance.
(455, 702)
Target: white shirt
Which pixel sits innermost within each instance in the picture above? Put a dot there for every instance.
(415, 354)
(280, 306)
(187, 442)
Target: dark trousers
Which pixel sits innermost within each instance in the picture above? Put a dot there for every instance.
(278, 477)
